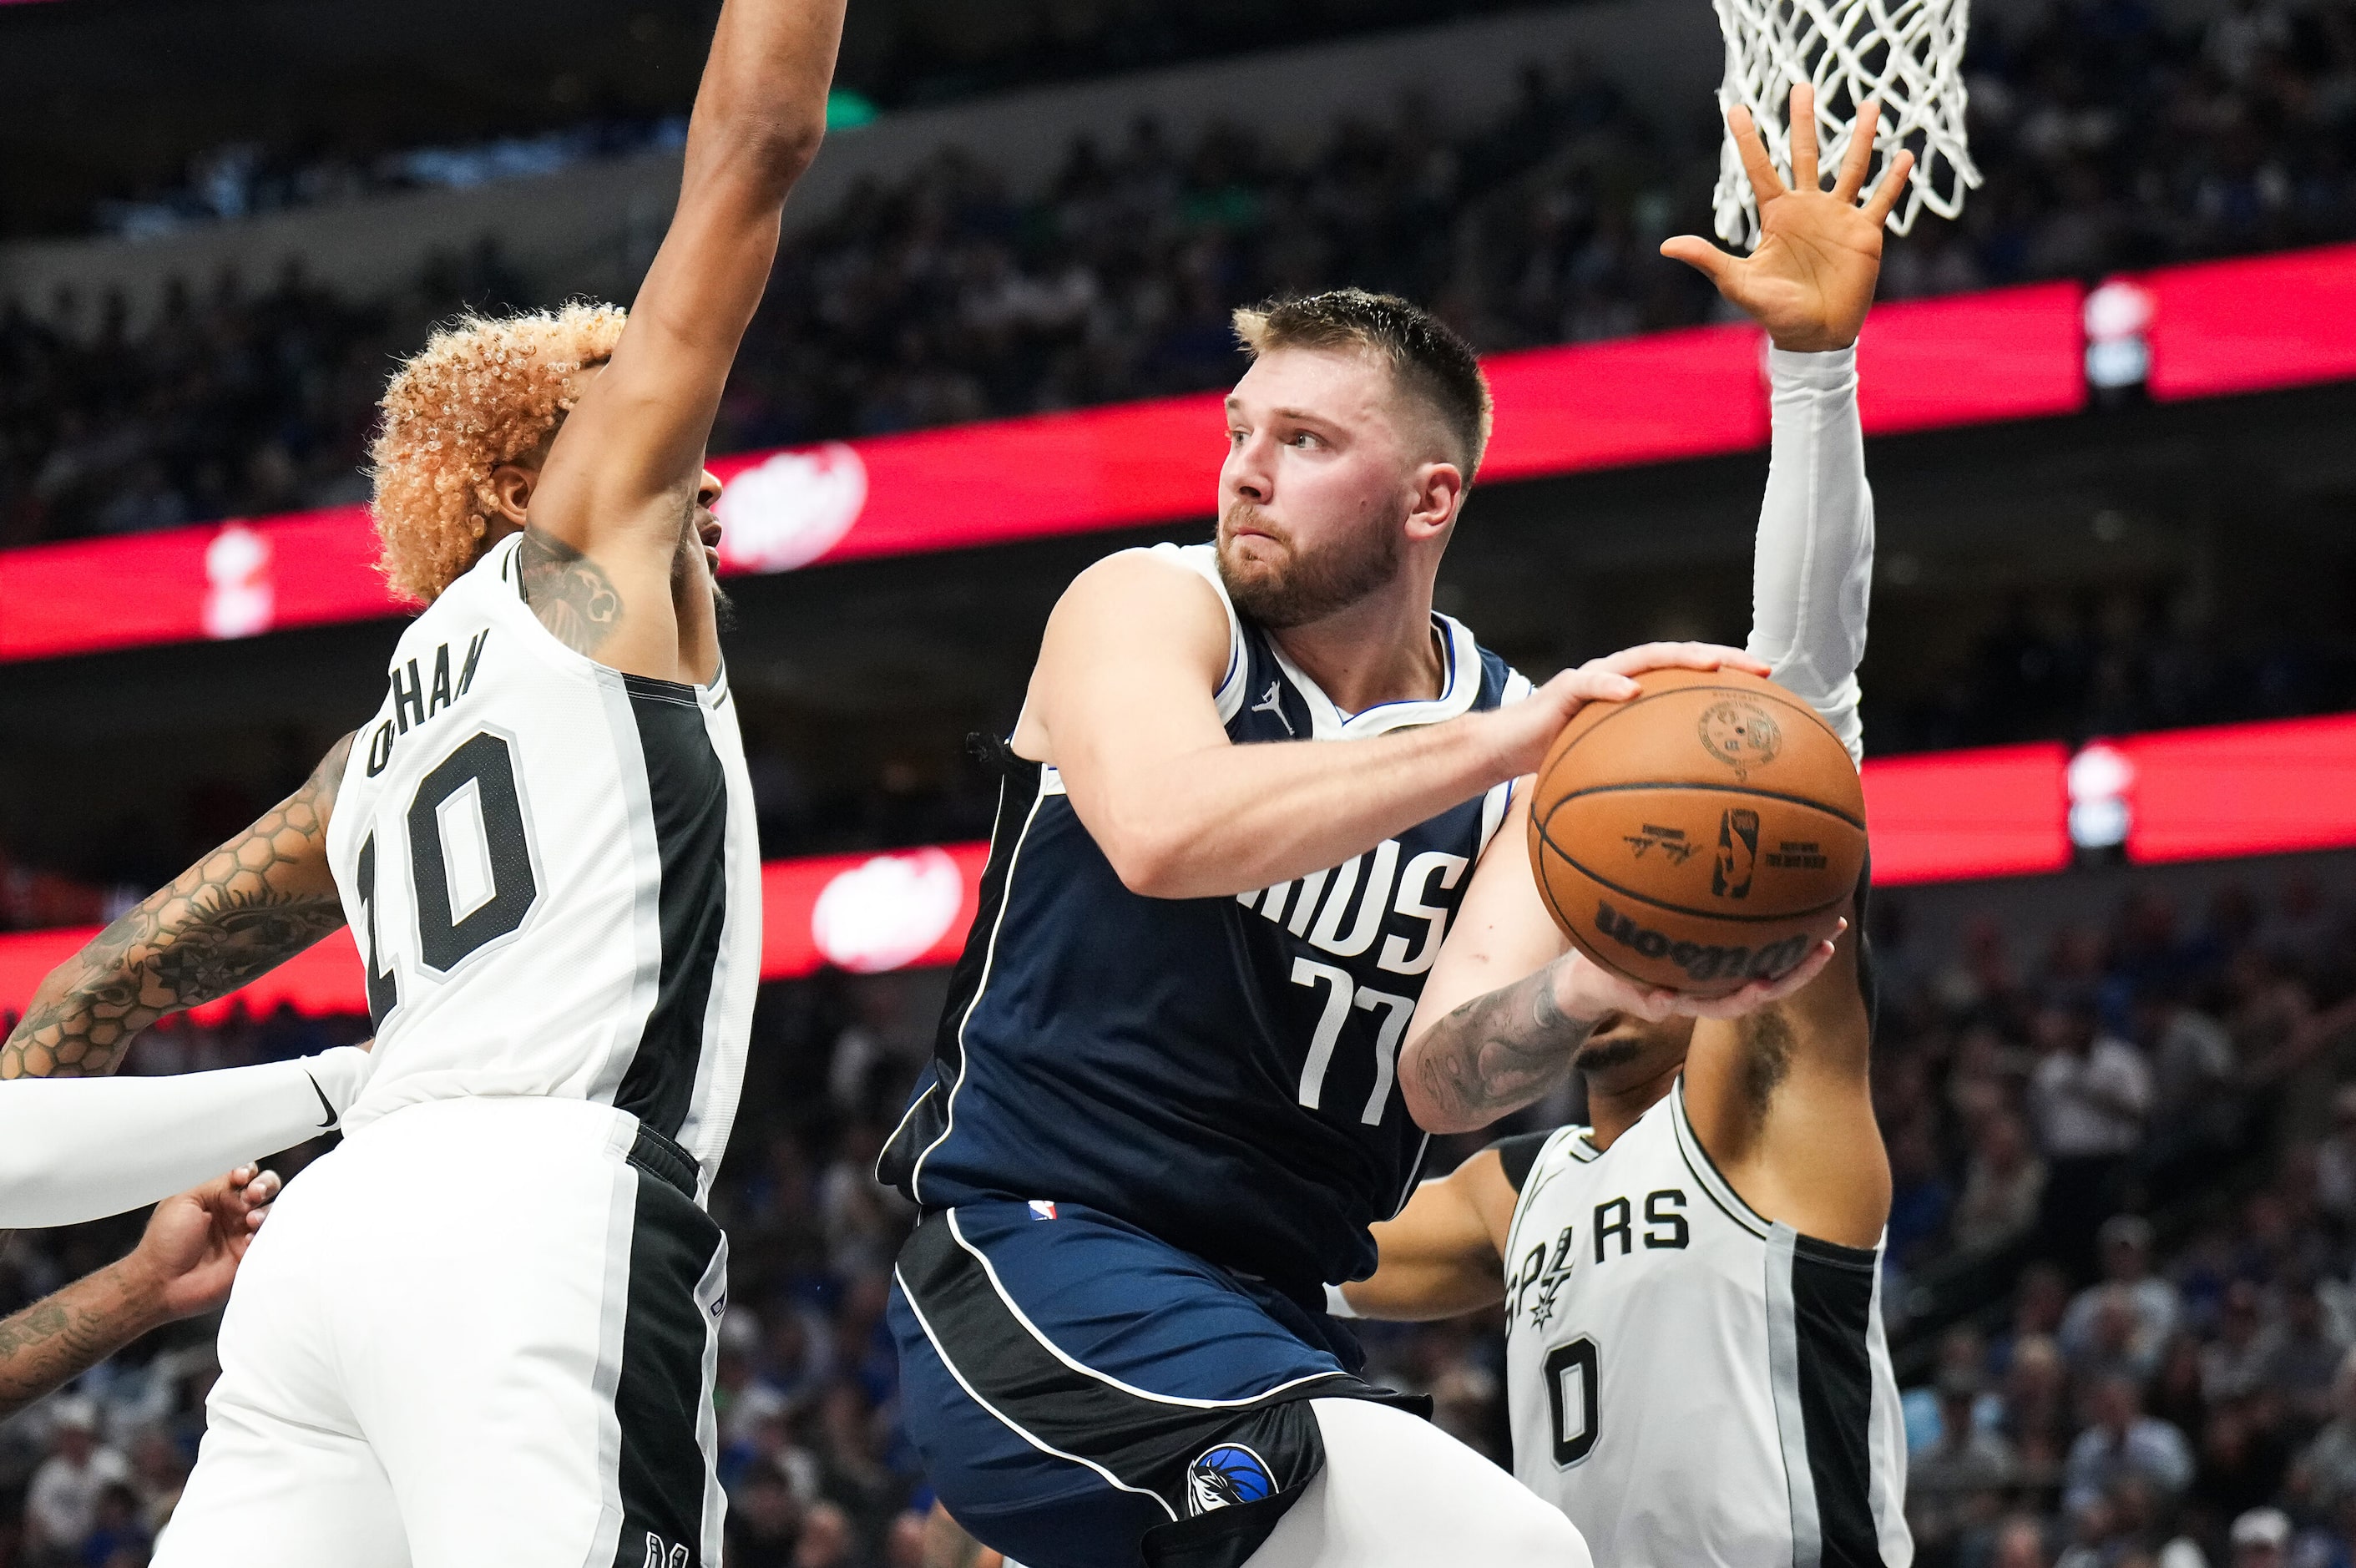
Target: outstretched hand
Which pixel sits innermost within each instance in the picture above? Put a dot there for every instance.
(1811, 280)
(194, 1242)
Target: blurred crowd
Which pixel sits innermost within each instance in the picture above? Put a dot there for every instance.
(2121, 1283)
(2124, 1232)
(2108, 138)
(246, 179)
(2073, 666)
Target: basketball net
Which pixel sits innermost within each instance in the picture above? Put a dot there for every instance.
(1908, 53)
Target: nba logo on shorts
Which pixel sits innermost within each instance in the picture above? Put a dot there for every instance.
(1042, 1209)
(1228, 1474)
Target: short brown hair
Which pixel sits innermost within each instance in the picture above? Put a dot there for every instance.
(481, 392)
(1430, 360)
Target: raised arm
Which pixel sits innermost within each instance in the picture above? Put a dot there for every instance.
(238, 913)
(1123, 702)
(611, 518)
(1780, 1098)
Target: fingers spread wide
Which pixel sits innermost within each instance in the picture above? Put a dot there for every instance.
(1894, 185)
(1857, 157)
(1765, 184)
(1803, 122)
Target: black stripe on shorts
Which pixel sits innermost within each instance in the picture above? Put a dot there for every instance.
(660, 1397)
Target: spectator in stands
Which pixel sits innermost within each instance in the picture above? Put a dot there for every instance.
(2261, 1537)
(2088, 1095)
(1957, 1483)
(2307, 1356)
(2147, 1304)
(61, 1506)
(2243, 1349)
(2004, 1184)
(2121, 1441)
(2324, 1478)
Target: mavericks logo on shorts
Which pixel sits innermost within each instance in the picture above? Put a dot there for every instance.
(1228, 1474)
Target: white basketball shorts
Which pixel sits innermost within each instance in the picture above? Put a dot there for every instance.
(481, 1331)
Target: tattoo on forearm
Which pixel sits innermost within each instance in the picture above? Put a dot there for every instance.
(1501, 1051)
(245, 908)
(571, 594)
(58, 1338)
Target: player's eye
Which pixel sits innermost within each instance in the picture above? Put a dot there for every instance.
(1304, 440)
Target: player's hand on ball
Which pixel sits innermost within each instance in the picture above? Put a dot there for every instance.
(1585, 989)
(194, 1242)
(1538, 720)
(1811, 280)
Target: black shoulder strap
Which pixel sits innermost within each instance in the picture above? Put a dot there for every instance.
(1518, 1153)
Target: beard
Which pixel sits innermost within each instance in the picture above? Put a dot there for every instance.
(1606, 1055)
(1301, 587)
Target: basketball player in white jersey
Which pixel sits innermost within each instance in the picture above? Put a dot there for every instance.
(1698, 1373)
(544, 844)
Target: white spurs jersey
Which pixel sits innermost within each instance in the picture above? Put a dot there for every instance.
(552, 871)
(1690, 1383)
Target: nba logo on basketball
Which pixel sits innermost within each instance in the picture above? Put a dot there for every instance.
(1738, 852)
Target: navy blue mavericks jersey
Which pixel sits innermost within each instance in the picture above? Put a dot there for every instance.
(1219, 1072)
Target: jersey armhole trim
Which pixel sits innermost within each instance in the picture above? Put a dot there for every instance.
(1204, 562)
(1705, 1169)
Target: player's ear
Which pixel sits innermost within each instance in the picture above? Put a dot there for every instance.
(1437, 495)
(511, 493)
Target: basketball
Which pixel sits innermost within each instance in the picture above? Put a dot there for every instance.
(1702, 834)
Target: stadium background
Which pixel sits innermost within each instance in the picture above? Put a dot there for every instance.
(2108, 697)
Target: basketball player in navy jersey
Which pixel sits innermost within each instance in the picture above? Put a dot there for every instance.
(1245, 795)
(1697, 1370)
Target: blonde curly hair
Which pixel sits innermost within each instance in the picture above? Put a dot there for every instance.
(483, 392)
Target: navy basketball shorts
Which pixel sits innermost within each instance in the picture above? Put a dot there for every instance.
(1087, 1396)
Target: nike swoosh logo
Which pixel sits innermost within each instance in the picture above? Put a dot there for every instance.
(325, 1104)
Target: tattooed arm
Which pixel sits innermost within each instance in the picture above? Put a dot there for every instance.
(182, 1266)
(570, 592)
(238, 913)
(1507, 1006)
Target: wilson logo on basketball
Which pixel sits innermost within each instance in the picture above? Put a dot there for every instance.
(1741, 734)
(1703, 961)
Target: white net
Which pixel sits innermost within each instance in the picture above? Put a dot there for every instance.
(1908, 53)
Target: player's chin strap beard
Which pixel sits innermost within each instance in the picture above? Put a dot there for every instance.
(1312, 586)
(1606, 1055)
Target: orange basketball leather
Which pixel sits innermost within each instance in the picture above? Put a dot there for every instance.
(1704, 833)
